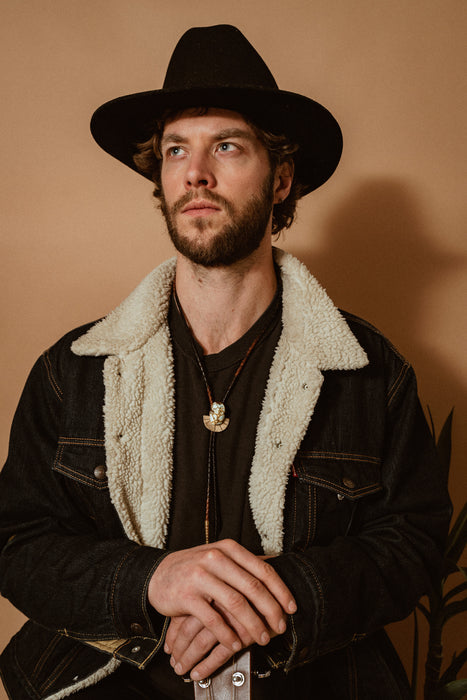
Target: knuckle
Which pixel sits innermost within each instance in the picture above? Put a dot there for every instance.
(268, 570)
(212, 619)
(255, 585)
(198, 572)
(235, 600)
(212, 556)
(204, 642)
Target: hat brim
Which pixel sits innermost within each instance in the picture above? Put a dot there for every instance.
(119, 125)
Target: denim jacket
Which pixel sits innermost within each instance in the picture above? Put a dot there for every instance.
(345, 492)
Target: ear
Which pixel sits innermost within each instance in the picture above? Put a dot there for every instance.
(283, 181)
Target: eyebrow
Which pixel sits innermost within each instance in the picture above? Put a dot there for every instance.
(233, 132)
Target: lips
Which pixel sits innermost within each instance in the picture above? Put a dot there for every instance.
(200, 206)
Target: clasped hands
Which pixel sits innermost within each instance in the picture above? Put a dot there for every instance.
(221, 598)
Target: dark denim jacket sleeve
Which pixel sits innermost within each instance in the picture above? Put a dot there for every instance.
(375, 572)
(55, 566)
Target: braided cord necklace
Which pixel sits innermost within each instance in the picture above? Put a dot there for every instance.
(215, 422)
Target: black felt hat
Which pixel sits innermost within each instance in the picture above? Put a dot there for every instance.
(218, 67)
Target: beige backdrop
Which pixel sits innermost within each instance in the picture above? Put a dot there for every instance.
(386, 235)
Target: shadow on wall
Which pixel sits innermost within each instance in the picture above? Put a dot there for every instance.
(378, 260)
(377, 236)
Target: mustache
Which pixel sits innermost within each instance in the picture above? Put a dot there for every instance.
(205, 194)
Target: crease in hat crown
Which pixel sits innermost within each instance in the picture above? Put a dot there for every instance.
(223, 57)
(218, 67)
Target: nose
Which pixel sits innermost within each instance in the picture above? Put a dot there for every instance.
(199, 172)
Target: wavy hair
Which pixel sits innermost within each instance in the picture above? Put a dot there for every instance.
(148, 160)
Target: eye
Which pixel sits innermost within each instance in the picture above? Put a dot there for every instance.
(225, 147)
(174, 151)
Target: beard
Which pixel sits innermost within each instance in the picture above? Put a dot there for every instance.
(235, 241)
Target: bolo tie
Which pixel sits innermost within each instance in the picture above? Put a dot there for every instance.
(216, 422)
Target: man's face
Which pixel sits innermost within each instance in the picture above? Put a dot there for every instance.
(217, 187)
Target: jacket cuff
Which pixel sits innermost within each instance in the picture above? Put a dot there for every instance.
(132, 614)
(298, 645)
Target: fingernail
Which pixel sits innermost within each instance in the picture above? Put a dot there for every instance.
(166, 648)
(178, 668)
(195, 676)
(292, 607)
(236, 646)
(172, 661)
(282, 626)
(265, 638)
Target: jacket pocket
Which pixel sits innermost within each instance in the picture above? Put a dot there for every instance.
(324, 492)
(82, 464)
(39, 663)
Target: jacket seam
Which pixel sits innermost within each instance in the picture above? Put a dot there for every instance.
(370, 488)
(144, 597)
(308, 534)
(85, 636)
(45, 654)
(23, 675)
(315, 516)
(312, 572)
(78, 476)
(114, 585)
(53, 382)
(85, 442)
(66, 661)
(294, 645)
(347, 456)
(394, 388)
(361, 322)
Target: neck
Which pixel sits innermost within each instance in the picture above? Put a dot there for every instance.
(221, 304)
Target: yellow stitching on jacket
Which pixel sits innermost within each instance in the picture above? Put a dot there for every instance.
(347, 456)
(114, 582)
(85, 442)
(398, 381)
(58, 392)
(75, 475)
(66, 661)
(45, 654)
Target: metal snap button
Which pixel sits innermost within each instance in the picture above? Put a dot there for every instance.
(76, 678)
(99, 472)
(205, 683)
(340, 496)
(136, 628)
(238, 678)
(135, 650)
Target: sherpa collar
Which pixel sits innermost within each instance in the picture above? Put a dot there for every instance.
(317, 325)
(140, 406)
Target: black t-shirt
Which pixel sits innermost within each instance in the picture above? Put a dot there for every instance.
(234, 447)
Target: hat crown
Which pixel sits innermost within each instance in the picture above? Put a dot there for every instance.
(217, 56)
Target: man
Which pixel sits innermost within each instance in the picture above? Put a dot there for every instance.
(225, 472)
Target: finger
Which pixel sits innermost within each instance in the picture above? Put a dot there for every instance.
(259, 567)
(217, 658)
(214, 622)
(245, 637)
(186, 634)
(173, 631)
(199, 647)
(235, 595)
(244, 595)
